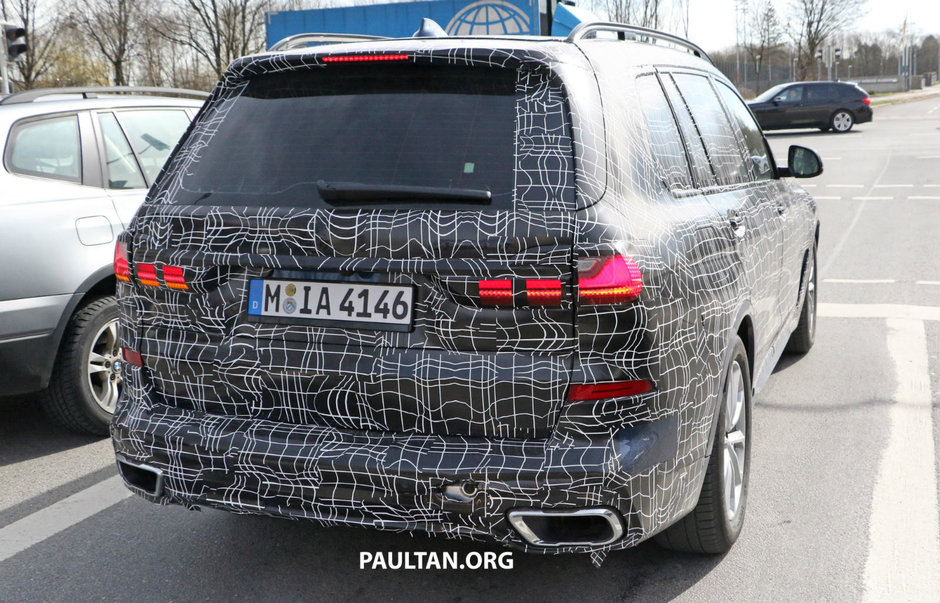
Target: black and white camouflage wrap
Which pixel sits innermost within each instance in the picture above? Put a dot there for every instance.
(366, 427)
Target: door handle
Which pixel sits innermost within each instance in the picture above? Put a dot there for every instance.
(737, 225)
(781, 208)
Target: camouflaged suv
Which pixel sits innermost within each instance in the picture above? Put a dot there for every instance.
(519, 289)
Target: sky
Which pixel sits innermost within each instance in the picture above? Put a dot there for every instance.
(712, 24)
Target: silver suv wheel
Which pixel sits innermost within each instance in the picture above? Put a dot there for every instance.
(105, 365)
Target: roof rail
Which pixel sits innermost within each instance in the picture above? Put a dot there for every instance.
(303, 39)
(636, 33)
(28, 96)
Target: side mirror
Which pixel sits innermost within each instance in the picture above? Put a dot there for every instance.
(777, 100)
(801, 163)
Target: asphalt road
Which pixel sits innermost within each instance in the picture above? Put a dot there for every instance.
(843, 500)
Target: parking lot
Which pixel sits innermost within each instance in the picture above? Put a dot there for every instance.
(843, 492)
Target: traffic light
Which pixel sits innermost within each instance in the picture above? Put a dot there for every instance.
(15, 37)
(819, 54)
(838, 54)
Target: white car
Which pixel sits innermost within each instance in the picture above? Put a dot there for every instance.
(76, 166)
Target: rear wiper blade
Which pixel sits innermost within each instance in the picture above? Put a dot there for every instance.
(352, 192)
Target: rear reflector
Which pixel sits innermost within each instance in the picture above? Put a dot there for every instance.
(132, 357)
(496, 293)
(600, 391)
(122, 270)
(365, 58)
(147, 275)
(543, 292)
(608, 280)
(174, 278)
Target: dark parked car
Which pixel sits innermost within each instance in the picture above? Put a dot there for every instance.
(823, 105)
(519, 289)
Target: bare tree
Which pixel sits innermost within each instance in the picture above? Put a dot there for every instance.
(817, 20)
(111, 25)
(635, 12)
(217, 30)
(765, 35)
(42, 22)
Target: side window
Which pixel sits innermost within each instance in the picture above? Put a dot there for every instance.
(793, 94)
(701, 169)
(122, 169)
(758, 157)
(720, 141)
(815, 94)
(48, 148)
(665, 143)
(153, 133)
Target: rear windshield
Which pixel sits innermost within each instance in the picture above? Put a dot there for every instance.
(380, 134)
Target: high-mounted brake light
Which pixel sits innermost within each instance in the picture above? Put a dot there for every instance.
(122, 270)
(174, 278)
(147, 275)
(543, 292)
(867, 101)
(497, 292)
(609, 280)
(616, 389)
(365, 58)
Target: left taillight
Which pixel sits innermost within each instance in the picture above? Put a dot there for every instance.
(122, 269)
(867, 101)
(609, 280)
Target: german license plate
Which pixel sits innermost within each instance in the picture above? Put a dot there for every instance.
(380, 306)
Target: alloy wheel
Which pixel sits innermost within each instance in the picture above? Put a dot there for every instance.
(106, 366)
(735, 440)
(842, 121)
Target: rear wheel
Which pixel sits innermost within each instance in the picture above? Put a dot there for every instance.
(87, 378)
(842, 121)
(716, 521)
(804, 335)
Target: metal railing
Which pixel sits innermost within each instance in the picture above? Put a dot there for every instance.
(635, 33)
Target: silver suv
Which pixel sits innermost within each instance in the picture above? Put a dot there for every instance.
(76, 165)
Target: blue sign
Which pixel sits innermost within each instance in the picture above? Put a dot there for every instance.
(401, 20)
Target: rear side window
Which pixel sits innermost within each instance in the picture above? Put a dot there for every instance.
(717, 134)
(153, 133)
(48, 148)
(370, 130)
(817, 94)
(758, 157)
(120, 164)
(665, 143)
(701, 168)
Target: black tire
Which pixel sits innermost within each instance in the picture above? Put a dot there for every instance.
(842, 121)
(824, 128)
(76, 398)
(712, 527)
(804, 335)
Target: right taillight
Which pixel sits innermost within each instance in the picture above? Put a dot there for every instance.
(122, 270)
(867, 101)
(609, 280)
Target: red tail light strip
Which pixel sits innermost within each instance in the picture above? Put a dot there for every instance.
(122, 270)
(610, 280)
(543, 292)
(174, 278)
(365, 58)
(496, 293)
(867, 101)
(147, 275)
(616, 389)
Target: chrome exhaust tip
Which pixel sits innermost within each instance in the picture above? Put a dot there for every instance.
(575, 527)
(140, 477)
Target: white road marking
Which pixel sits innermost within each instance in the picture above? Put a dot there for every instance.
(846, 185)
(47, 522)
(935, 283)
(879, 311)
(859, 281)
(932, 185)
(808, 185)
(871, 198)
(830, 198)
(928, 157)
(894, 186)
(923, 197)
(904, 549)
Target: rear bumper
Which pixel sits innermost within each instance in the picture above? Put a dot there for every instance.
(396, 481)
